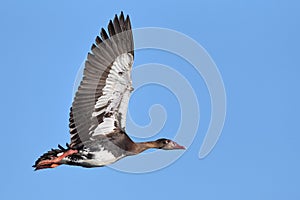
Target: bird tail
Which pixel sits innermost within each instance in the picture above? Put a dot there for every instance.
(53, 157)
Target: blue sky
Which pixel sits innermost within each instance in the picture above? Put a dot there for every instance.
(255, 45)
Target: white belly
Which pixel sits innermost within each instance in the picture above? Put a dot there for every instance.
(100, 158)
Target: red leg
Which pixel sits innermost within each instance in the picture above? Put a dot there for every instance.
(55, 161)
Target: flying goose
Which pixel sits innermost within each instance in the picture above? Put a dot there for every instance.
(98, 113)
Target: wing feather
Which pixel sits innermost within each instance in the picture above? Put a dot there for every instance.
(101, 101)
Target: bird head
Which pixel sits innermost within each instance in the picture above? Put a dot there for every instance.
(167, 144)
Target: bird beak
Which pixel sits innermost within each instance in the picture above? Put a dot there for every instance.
(177, 146)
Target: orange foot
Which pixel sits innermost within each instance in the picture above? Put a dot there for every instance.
(55, 161)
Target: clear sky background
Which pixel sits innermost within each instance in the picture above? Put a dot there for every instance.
(255, 45)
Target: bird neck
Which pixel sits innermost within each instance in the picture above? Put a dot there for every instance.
(142, 146)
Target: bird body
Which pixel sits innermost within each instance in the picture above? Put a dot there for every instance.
(98, 113)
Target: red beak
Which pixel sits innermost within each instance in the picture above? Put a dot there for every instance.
(177, 146)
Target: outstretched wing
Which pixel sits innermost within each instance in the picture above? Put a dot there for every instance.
(100, 104)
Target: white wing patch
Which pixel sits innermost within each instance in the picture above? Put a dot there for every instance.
(105, 127)
(113, 102)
